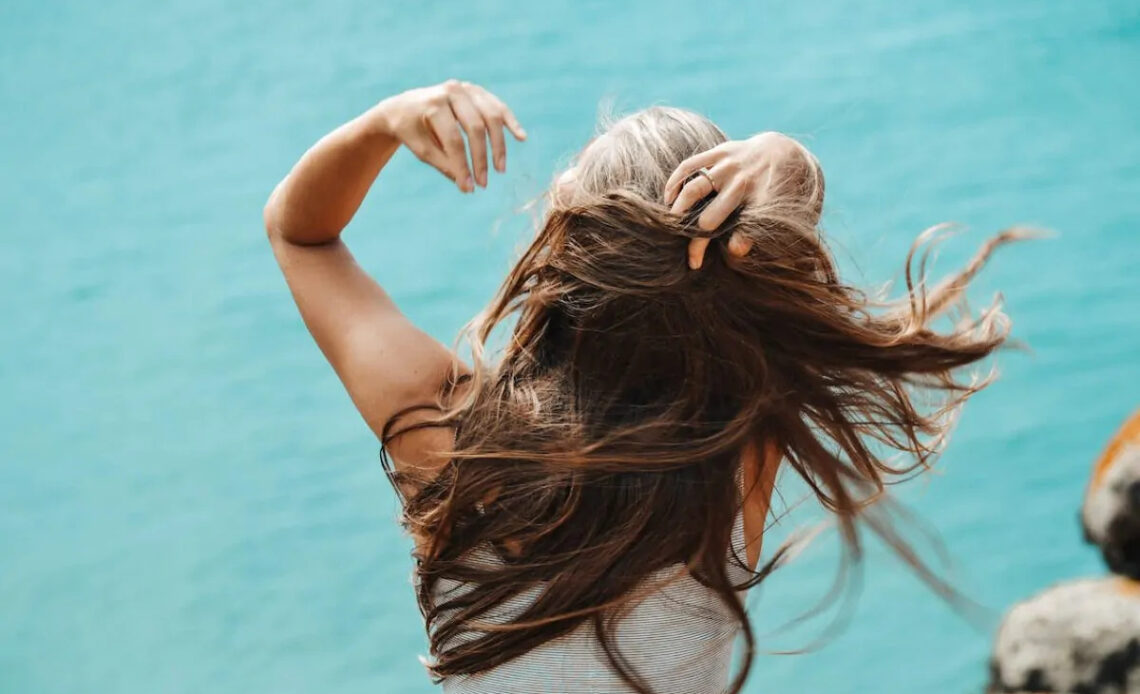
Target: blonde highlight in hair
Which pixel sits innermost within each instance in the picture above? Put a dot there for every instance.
(604, 442)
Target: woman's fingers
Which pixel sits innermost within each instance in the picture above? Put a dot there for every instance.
(697, 249)
(473, 124)
(724, 204)
(712, 217)
(493, 117)
(513, 123)
(739, 245)
(697, 188)
(444, 129)
(497, 116)
(432, 155)
(435, 121)
(693, 191)
(508, 116)
(686, 169)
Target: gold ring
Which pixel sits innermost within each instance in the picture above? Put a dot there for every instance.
(708, 177)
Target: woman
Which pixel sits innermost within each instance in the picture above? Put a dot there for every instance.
(588, 505)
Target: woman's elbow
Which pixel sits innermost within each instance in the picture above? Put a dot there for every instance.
(269, 214)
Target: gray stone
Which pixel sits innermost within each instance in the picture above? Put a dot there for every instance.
(1079, 637)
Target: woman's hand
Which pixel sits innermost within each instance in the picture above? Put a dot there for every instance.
(431, 121)
(739, 172)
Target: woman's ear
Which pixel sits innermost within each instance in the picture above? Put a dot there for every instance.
(563, 189)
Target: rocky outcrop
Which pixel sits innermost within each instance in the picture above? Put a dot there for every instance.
(1111, 511)
(1083, 636)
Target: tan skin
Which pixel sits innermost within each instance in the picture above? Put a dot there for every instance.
(384, 361)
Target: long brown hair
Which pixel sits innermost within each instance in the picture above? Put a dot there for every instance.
(603, 443)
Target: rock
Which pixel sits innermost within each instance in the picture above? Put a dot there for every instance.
(1111, 511)
(1079, 637)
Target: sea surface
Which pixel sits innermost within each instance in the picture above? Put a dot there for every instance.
(188, 502)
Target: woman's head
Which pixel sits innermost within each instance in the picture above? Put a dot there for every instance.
(605, 441)
(638, 153)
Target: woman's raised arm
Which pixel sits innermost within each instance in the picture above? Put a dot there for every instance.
(384, 361)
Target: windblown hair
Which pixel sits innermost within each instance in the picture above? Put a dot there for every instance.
(604, 443)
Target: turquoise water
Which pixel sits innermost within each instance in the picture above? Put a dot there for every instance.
(188, 503)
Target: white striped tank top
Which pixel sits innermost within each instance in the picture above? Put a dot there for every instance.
(679, 638)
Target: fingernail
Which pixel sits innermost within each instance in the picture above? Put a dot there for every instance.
(468, 184)
(498, 163)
